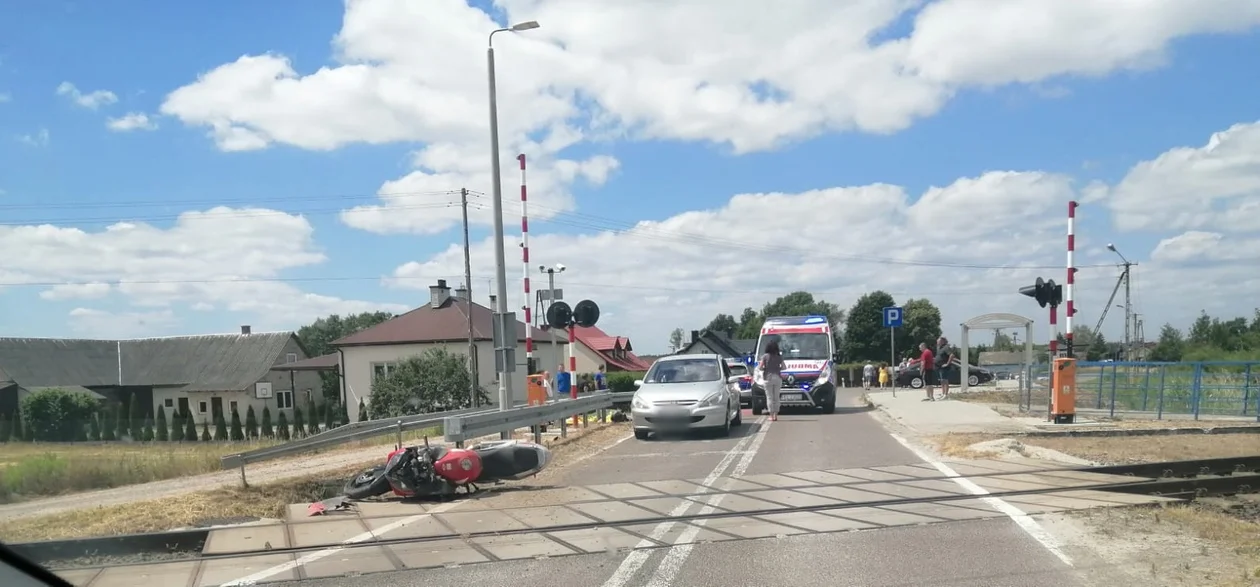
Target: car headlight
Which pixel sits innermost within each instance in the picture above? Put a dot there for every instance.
(639, 403)
(716, 399)
(823, 376)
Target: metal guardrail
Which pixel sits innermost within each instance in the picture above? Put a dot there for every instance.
(461, 428)
(352, 432)
(622, 397)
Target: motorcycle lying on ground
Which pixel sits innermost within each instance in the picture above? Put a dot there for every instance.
(438, 471)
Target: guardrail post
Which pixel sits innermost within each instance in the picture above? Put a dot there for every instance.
(564, 427)
(244, 483)
(538, 433)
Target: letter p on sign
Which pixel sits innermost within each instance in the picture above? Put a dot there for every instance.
(892, 317)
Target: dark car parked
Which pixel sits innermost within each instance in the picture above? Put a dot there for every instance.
(911, 377)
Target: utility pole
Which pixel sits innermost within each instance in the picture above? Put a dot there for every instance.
(1128, 314)
(472, 344)
(551, 299)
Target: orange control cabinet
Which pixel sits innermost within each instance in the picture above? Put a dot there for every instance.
(1063, 391)
(535, 393)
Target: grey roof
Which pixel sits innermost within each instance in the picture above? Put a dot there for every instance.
(215, 362)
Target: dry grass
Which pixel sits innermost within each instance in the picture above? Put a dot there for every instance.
(1118, 449)
(257, 501)
(1213, 542)
(988, 396)
(260, 501)
(43, 469)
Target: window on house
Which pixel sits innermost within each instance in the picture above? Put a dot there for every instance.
(284, 399)
(381, 370)
(169, 402)
(290, 358)
(231, 407)
(310, 395)
(202, 407)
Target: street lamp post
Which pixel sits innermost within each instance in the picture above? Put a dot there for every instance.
(507, 337)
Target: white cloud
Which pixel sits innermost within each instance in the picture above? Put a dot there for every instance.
(76, 291)
(90, 323)
(131, 121)
(91, 100)
(212, 257)
(37, 139)
(692, 70)
(1216, 186)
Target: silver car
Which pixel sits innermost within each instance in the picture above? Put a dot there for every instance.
(683, 393)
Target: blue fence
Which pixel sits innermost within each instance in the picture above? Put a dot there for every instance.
(1206, 388)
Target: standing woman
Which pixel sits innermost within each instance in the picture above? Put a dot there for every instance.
(772, 370)
(883, 375)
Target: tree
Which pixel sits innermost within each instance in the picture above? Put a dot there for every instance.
(120, 420)
(161, 429)
(177, 425)
(267, 431)
(135, 424)
(434, 381)
(107, 424)
(57, 415)
(865, 336)
(328, 411)
(236, 433)
(299, 422)
(1097, 349)
(190, 428)
(1170, 346)
(312, 427)
(921, 322)
(17, 432)
(251, 423)
(205, 429)
(220, 427)
(676, 340)
(282, 427)
(317, 338)
(94, 431)
(147, 433)
(724, 323)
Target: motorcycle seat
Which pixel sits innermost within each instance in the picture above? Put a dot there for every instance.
(506, 461)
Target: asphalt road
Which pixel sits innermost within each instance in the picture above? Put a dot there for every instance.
(977, 553)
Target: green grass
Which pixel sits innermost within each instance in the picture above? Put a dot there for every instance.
(30, 470)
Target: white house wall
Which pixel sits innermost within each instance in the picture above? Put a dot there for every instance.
(357, 364)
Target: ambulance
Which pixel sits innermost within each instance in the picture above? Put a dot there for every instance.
(809, 373)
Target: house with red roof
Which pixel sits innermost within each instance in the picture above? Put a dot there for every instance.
(442, 323)
(595, 348)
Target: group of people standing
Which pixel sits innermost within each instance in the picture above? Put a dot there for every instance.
(562, 384)
(936, 366)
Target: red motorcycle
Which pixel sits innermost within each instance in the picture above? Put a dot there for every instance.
(436, 471)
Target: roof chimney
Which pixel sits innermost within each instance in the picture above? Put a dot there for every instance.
(245, 329)
(461, 292)
(695, 335)
(438, 294)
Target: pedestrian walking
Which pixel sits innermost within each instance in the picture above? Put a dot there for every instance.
(883, 375)
(868, 376)
(926, 369)
(546, 381)
(772, 372)
(601, 379)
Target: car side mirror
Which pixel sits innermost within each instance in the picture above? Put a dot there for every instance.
(638, 382)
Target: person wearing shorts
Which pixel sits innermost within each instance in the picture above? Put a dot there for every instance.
(868, 375)
(926, 370)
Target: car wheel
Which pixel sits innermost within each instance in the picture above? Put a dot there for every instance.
(641, 434)
(829, 407)
(725, 430)
(916, 382)
(973, 380)
(739, 417)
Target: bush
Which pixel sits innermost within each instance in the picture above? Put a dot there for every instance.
(624, 380)
(161, 428)
(236, 433)
(251, 423)
(190, 429)
(205, 430)
(363, 415)
(57, 414)
(434, 381)
(177, 425)
(267, 432)
(282, 427)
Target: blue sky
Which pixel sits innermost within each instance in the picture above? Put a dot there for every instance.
(1089, 127)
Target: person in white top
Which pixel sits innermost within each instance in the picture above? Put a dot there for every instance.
(551, 393)
(868, 375)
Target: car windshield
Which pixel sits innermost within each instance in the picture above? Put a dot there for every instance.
(803, 345)
(684, 371)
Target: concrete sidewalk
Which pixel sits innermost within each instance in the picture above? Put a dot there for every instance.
(908, 408)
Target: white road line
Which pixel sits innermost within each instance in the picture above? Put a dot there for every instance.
(1021, 519)
(676, 556)
(327, 552)
(599, 450)
(634, 561)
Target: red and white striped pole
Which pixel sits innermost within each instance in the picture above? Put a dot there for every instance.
(529, 318)
(1070, 287)
(573, 388)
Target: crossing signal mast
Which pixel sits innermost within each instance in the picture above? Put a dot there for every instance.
(1063, 369)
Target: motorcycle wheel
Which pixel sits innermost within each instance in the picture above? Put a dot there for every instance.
(369, 483)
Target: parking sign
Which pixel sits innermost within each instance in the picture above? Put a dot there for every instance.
(892, 317)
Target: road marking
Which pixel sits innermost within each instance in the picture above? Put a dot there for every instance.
(634, 561)
(1021, 519)
(676, 556)
(327, 552)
